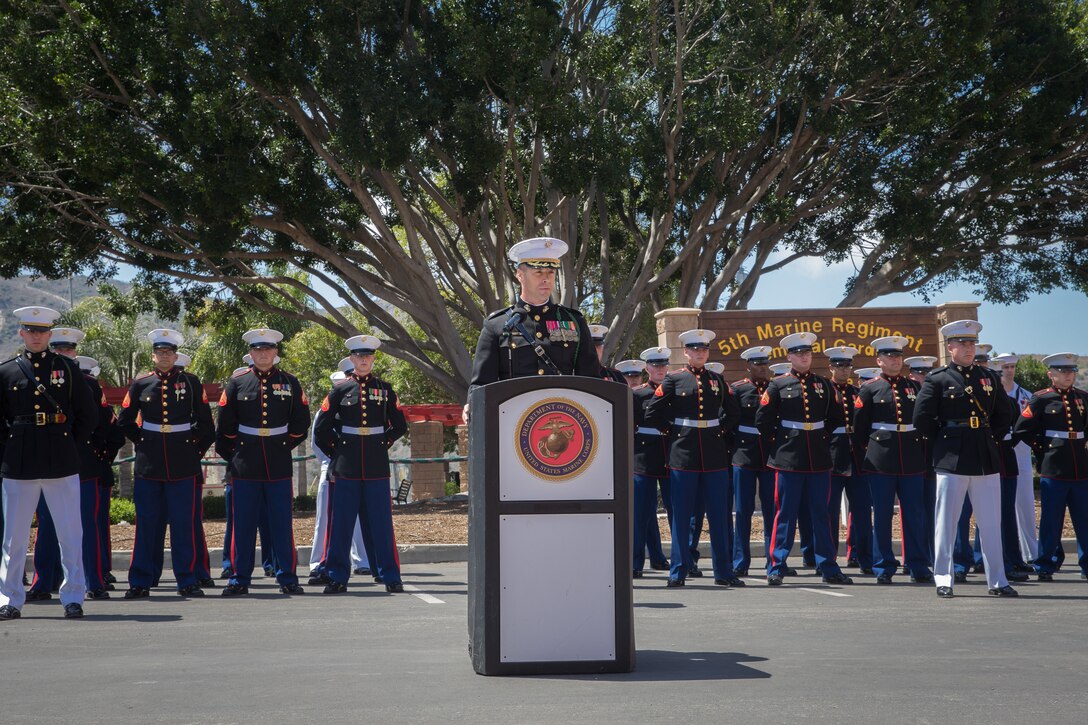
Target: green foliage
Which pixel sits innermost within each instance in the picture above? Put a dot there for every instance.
(1031, 374)
(312, 355)
(122, 509)
(116, 335)
(452, 487)
(213, 507)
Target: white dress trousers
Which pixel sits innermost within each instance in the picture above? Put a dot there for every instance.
(985, 492)
(20, 499)
(317, 552)
(1025, 504)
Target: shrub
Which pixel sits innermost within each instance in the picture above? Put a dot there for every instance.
(452, 487)
(305, 502)
(214, 507)
(122, 509)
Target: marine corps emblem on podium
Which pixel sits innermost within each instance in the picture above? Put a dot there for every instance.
(556, 439)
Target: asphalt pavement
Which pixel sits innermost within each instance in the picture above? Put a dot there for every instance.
(805, 651)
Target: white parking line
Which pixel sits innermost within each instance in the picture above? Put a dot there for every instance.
(826, 592)
(425, 597)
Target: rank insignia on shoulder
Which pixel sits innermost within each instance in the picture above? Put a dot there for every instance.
(659, 393)
(765, 398)
(223, 399)
(1027, 412)
(859, 403)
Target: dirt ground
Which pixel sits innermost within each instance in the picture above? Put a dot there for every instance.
(426, 522)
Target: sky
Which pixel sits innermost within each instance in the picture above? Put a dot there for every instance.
(1055, 322)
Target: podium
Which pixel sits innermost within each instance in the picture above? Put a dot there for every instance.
(549, 563)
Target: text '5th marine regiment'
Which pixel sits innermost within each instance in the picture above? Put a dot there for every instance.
(945, 443)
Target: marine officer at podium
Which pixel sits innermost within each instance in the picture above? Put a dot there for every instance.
(534, 336)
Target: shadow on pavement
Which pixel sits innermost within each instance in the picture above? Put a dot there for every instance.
(659, 605)
(148, 618)
(667, 666)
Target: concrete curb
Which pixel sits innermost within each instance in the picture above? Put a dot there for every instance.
(445, 553)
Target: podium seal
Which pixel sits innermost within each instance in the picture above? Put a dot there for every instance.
(556, 439)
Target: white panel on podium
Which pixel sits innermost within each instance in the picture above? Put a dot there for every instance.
(551, 610)
(550, 431)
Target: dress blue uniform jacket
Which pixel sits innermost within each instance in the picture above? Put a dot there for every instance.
(963, 411)
(1062, 411)
(890, 401)
(166, 399)
(368, 402)
(700, 396)
(752, 449)
(44, 451)
(844, 460)
(96, 454)
(805, 398)
(261, 400)
(650, 450)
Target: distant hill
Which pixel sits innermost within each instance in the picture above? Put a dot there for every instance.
(23, 291)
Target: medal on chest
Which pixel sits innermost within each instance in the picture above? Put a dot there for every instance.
(377, 394)
(818, 387)
(987, 386)
(56, 377)
(1080, 406)
(179, 391)
(562, 331)
(911, 394)
(281, 390)
(714, 386)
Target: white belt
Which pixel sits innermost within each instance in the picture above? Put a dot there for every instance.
(166, 427)
(1070, 434)
(748, 429)
(841, 430)
(262, 432)
(798, 425)
(348, 430)
(648, 431)
(691, 423)
(898, 428)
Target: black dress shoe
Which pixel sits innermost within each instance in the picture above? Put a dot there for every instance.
(741, 572)
(206, 582)
(1045, 576)
(867, 570)
(110, 587)
(193, 590)
(944, 592)
(318, 578)
(979, 568)
(269, 572)
(1005, 591)
(636, 574)
(9, 612)
(1016, 576)
(109, 578)
(295, 588)
(694, 572)
(377, 579)
(1021, 566)
(394, 588)
(227, 573)
(673, 583)
(37, 595)
(774, 580)
(234, 590)
(98, 594)
(960, 577)
(660, 566)
(789, 571)
(73, 611)
(137, 593)
(922, 578)
(361, 571)
(730, 582)
(837, 578)
(334, 588)
(884, 579)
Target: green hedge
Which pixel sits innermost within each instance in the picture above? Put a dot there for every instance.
(122, 509)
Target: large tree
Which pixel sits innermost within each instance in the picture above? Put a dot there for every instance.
(392, 152)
